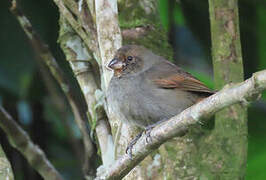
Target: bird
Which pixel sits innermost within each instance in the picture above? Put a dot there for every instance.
(146, 89)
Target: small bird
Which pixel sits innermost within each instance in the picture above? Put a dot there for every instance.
(147, 89)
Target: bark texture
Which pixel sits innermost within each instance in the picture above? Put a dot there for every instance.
(5, 167)
(227, 154)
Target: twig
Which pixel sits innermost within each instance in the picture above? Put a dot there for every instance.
(21, 141)
(177, 126)
(44, 53)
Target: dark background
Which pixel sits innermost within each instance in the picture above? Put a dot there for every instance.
(24, 94)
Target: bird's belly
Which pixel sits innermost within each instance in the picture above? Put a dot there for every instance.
(145, 106)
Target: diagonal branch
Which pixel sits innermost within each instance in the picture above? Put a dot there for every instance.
(20, 140)
(47, 57)
(177, 126)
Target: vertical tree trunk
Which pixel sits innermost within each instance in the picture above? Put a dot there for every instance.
(228, 141)
(5, 167)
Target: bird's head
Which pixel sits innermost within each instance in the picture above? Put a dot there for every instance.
(129, 60)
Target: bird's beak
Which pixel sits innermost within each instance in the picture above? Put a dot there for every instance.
(115, 64)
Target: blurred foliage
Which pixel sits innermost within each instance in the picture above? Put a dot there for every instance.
(23, 91)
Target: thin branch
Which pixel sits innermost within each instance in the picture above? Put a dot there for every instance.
(79, 59)
(177, 126)
(86, 19)
(21, 141)
(44, 53)
(89, 88)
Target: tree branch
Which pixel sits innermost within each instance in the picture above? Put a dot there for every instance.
(46, 56)
(80, 59)
(21, 141)
(177, 126)
(80, 62)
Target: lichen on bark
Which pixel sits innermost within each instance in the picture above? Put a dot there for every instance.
(5, 167)
(137, 13)
(225, 152)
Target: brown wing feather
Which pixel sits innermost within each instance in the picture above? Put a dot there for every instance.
(175, 77)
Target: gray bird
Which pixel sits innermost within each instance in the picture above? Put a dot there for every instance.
(146, 89)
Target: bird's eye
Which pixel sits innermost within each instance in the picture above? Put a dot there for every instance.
(129, 58)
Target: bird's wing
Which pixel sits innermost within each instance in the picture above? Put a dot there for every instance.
(168, 75)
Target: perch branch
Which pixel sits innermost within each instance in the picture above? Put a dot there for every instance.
(21, 141)
(177, 126)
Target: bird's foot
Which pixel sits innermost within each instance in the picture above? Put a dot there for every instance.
(148, 133)
(149, 128)
(131, 144)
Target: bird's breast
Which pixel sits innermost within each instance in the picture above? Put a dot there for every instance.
(142, 103)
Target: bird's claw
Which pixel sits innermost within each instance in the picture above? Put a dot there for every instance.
(148, 134)
(131, 144)
(129, 150)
